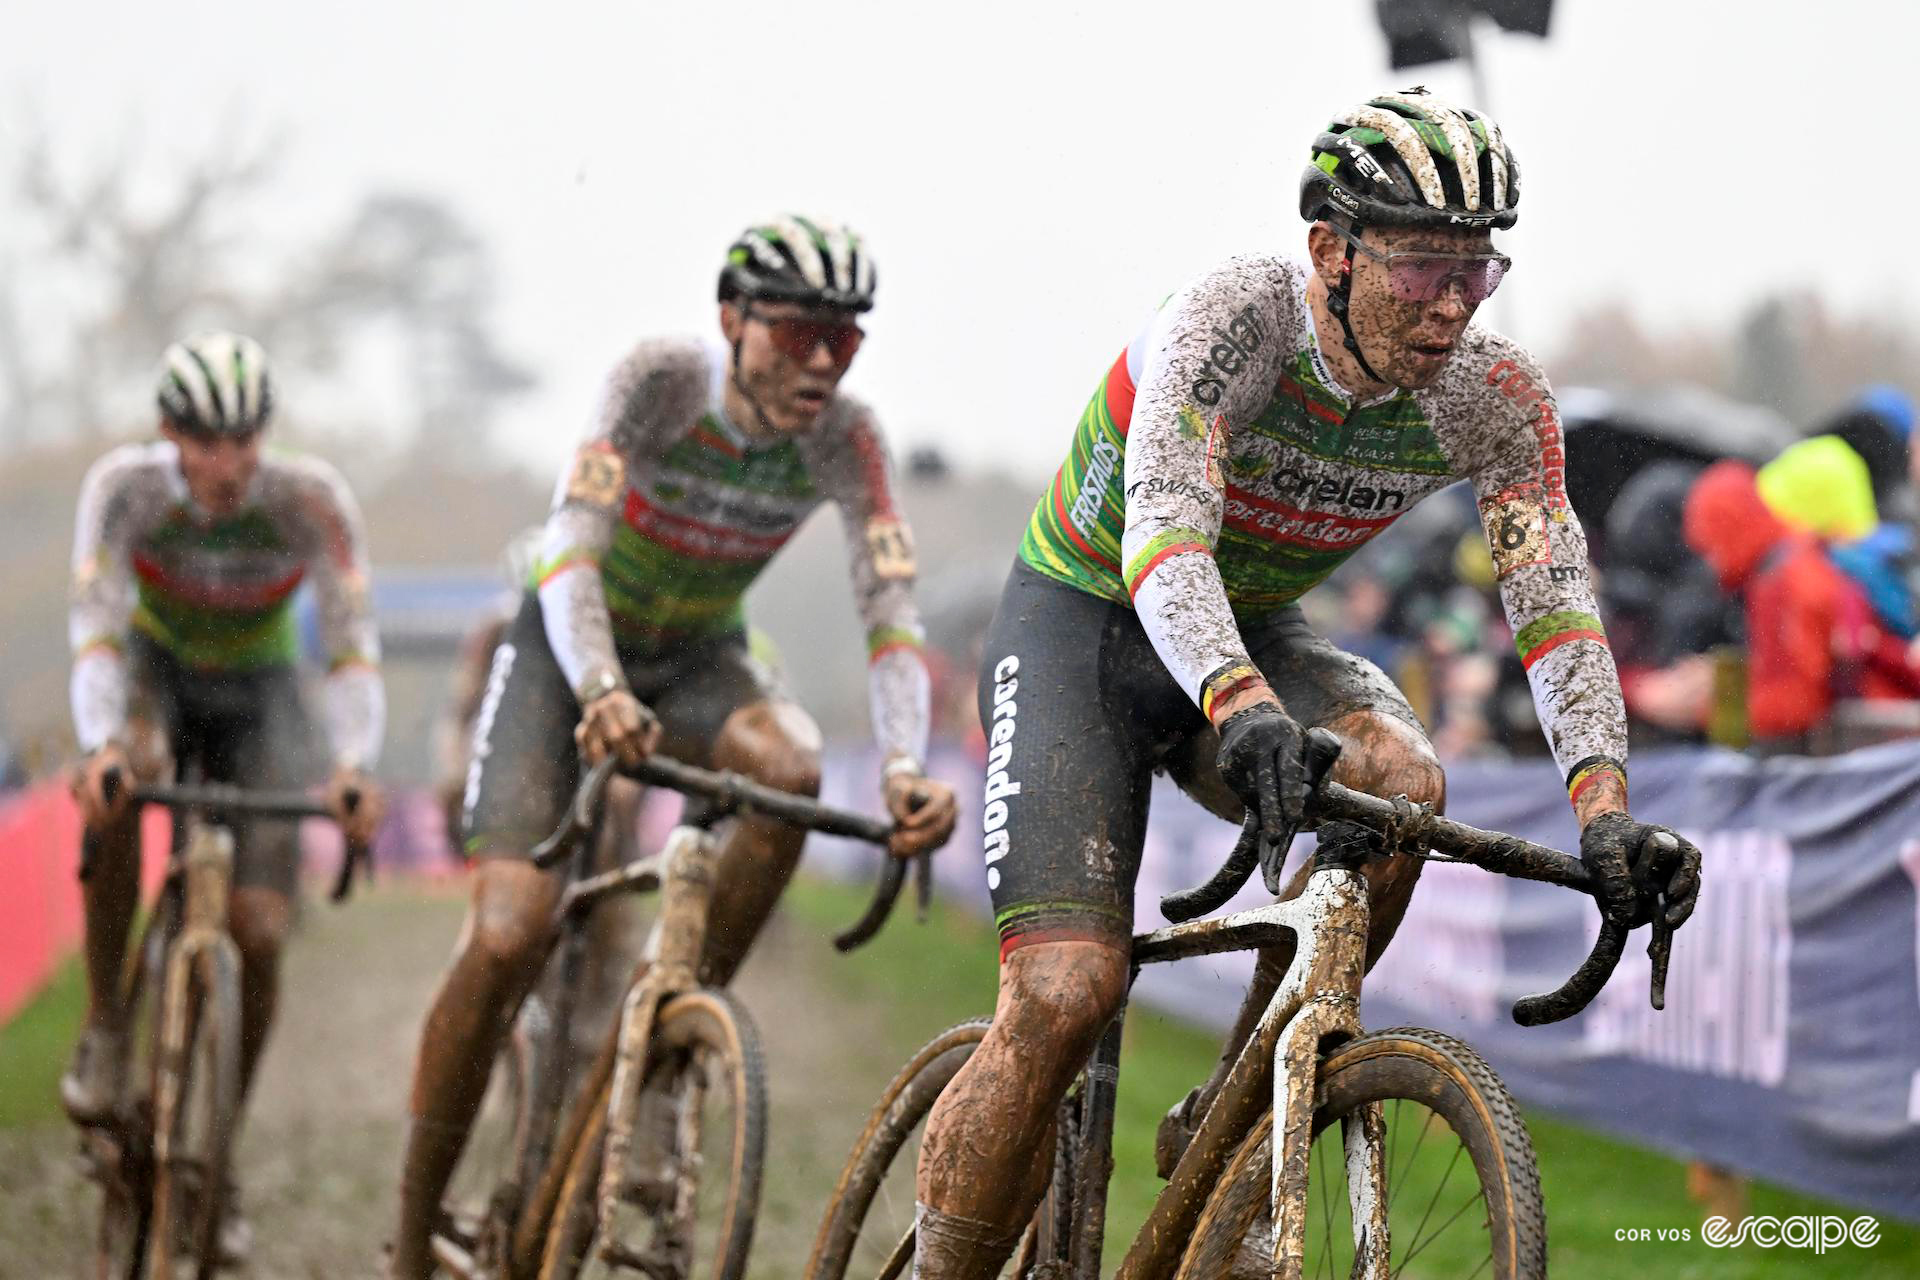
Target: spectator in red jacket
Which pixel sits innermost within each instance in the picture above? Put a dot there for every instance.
(1811, 635)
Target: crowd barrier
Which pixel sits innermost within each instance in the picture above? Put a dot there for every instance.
(40, 887)
(1790, 1044)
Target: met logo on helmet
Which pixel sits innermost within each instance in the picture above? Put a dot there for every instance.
(1363, 160)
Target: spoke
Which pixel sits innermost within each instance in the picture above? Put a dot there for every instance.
(1414, 1154)
(1393, 1135)
(897, 1260)
(1437, 1231)
(1420, 1243)
(1436, 1195)
(1484, 1264)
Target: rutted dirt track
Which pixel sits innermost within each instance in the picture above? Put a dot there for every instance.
(320, 1156)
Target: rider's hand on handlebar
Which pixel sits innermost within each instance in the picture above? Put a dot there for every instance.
(923, 811)
(357, 803)
(90, 790)
(1641, 868)
(1273, 765)
(617, 723)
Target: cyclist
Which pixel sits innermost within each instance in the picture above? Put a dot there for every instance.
(1272, 417)
(187, 554)
(703, 460)
(616, 930)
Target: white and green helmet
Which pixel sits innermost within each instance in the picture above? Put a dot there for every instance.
(795, 259)
(1412, 159)
(216, 384)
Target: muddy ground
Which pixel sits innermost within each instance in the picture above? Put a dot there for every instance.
(319, 1158)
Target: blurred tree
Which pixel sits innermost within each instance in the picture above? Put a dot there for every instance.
(413, 258)
(118, 274)
(126, 277)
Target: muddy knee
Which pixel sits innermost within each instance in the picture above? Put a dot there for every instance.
(1057, 997)
(773, 742)
(509, 921)
(260, 921)
(1383, 755)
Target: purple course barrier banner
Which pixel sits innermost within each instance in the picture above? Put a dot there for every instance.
(1790, 1044)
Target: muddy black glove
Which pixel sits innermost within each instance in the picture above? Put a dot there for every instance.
(1642, 869)
(1273, 765)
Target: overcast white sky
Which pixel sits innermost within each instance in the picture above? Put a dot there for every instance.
(1032, 177)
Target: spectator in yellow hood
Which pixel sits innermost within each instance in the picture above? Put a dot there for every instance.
(1821, 486)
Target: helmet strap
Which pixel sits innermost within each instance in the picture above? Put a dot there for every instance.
(739, 383)
(1338, 300)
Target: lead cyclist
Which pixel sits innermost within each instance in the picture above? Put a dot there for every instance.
(1269, 420)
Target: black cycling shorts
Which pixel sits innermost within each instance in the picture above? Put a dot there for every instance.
(247, 728)
(523, 765)
(1079, 711)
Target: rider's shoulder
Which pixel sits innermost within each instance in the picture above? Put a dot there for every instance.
(1489, 373)
(664, 365)
(659, 380)
(137, 462)
(846, 412)
(303, 481)
(1274, 280)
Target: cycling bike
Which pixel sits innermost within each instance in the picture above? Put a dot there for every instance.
(1237, 1201)
(163, 1157)
(655, 1169)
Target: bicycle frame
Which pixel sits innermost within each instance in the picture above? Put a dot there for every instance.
(208, 878)
(1316, 1006)
(186, 933)
(684, 871)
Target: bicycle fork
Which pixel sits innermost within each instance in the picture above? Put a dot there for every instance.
(673, 964)
(1334, 952)
(209, 874)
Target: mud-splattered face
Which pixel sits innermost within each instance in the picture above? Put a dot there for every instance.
(1407, 341)
(791, 358)
(218, 469)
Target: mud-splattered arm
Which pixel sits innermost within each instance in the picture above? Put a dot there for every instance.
(1540, 560)
(355, 700)
(851, 463)
(101, 599)
(1211, 360)
(658, 384)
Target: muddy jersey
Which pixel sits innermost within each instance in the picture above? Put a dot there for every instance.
(217, 594)
(669, 512)
(1220, 472)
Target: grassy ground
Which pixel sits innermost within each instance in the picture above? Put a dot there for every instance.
(320, 1153)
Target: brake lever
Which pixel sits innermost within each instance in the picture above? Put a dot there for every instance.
(922, 886)
(1660, 950)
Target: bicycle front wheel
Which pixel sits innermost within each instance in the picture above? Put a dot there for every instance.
(1462, 1189)
(867, 1232)
(691, 1186)
(121, 1154)
(197, 1087)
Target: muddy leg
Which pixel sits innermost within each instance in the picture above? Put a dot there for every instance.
(983, 1164)
(498, 956)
